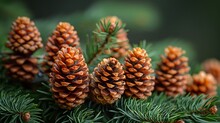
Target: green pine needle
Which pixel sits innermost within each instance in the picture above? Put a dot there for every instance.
(160, 109)
(102, 40)
(14, 104)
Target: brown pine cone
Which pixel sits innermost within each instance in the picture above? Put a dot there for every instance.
(69, 78)
(26, 116)
(139, 81)
(212, 66)
(21, 68)
(180, 121)
(63, 35)
(213, 110)
(171, 76)
(24, 38)
(122, 45)
(107, 81)
(203, 84)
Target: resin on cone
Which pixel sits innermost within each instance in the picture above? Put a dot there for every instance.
(122, 45)
(64, 35)
(139, 80)
(172, 72)
(24, 38)
(107, 81)
(69, 78)
(212, 66)
(203, 83)
(21, 68)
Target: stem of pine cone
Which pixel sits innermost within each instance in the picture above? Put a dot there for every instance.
(95, 56)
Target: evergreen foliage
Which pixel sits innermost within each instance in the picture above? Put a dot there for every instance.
(14, 104)
(159, 108)
(94, 51)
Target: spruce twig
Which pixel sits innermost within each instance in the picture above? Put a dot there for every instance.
(99, 52)
(104, 38)
(18, 107)
(160, 108)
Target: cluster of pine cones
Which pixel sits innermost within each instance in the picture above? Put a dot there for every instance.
(69, 76)
(24, 39)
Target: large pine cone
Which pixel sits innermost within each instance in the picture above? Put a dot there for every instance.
(203, 84)
(69, 78)
(21, 68)
(171, 76)
(107, 81)
(63, 35)
(120, 49)
(139, 81)
(24, 38)
(212, 66)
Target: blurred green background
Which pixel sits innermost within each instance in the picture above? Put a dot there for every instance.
(195, 23)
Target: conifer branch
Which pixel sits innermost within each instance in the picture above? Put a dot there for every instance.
(51, 110)
(18, 107)
(99, 52)
(52, 113)
(80, 114)
(159, 108)
(103, 39)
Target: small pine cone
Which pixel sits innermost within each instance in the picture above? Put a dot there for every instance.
(24, 38)
(69, 78)
(212, 66)
(63, 35)
(107, 81)
(139, 81)
(213, 110)
(26, 117)
(171, 76)
(21, 68)
(122, 45)
(203, 84)
(180, 121)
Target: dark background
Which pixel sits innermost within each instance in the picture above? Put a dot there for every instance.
(196, 22)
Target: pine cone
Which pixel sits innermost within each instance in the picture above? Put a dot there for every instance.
(171, 76)
(21, 68)
(139, 81)
(180, 121)
(24, 38)
(107, 81)
(212, 66)
(26, 116)
(122, 46)
(213, 110)
(63, 35)
(69, 78)
(203, 84)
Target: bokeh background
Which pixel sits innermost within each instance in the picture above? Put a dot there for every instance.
(195, 23)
